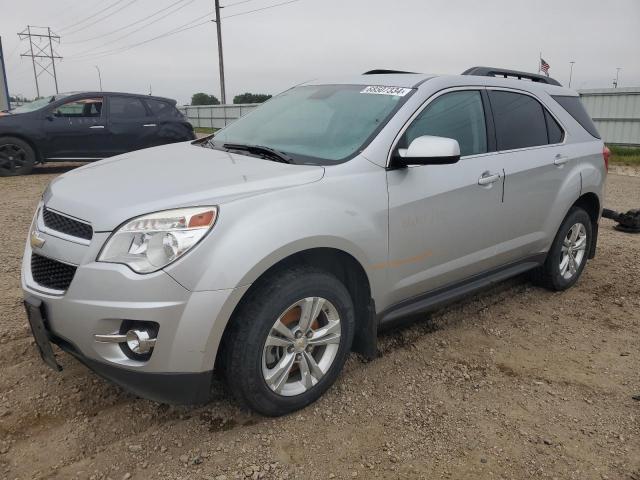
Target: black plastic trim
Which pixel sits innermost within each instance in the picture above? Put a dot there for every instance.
(383, 71)
(172, 388)
(492, 140)
(506, 73)
(400, 312)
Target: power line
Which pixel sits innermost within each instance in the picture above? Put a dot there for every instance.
(181, 28)
(92, 16)
(236, 3)
(85, 55)
(101, 19)
(260, 9)
(126, 26)
(85, 52)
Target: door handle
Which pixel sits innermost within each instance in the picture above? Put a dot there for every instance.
(149, 125)
(560, 160)
(488, 178)
(97, 126)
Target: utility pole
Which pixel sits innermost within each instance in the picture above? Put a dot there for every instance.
(571, 73)
(53, 61)
(615, 84)
(37, 41)
(99, 76)
(223, 96)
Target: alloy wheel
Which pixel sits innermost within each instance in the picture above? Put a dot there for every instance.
(301, 346)
(574, 248)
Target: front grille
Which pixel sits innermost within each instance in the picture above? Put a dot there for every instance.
(51, 273)
(67, 225)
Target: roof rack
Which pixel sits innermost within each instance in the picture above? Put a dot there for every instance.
(382, 71)
(503, 72)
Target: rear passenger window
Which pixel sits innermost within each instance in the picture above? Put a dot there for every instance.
(126, 107)
(519, 120)
(556, 134)
(457, 115)
(162, 109)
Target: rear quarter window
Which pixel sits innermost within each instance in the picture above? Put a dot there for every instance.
(574, 107)
(162, 109)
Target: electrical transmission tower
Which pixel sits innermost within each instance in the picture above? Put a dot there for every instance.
(41, 52)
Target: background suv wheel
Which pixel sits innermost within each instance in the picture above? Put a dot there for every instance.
(289, 340)
(16, 157)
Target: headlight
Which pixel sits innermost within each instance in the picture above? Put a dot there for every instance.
(151, 242)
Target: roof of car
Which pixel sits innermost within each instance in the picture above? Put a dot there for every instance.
(414, 80)
(405, 80)
(122, 94)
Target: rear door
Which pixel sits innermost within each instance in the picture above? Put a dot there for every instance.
(530, 140)
(131, 126)
(76, 129)
(445, 220)
(171, 124)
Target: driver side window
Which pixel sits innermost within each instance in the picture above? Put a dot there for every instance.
(83, 108)
(458, 115)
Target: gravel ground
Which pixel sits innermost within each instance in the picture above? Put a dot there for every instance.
(516, 383)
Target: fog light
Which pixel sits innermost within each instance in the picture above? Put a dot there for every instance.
(140, 342)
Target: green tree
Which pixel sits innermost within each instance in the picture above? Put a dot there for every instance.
(204, 99)
(251, 98)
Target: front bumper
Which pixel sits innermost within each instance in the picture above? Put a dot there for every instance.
(174, 388)
(102, 295)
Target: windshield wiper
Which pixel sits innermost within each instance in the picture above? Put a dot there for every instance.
(260, 150)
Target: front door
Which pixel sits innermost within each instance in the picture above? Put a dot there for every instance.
(444, 220)
(76, 130)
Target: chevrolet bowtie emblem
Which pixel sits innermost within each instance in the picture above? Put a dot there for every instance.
(36, 240)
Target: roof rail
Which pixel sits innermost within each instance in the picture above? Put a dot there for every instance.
(382, 71)
(503, 72)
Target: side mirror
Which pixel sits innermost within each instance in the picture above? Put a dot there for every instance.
(429, 150)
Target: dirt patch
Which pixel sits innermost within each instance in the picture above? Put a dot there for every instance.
(515, 383)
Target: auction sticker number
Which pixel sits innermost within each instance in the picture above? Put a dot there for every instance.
(381, 90)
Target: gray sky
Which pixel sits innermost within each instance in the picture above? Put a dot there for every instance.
(270, 50)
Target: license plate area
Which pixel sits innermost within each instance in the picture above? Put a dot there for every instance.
(36, 315)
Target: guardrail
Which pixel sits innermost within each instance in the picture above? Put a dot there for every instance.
(215, 116)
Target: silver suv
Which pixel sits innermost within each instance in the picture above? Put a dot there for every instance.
(270, 250)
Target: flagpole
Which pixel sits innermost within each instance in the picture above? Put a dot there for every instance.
(539, 62)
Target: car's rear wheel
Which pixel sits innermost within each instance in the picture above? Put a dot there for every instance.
(569, 252)
(288, 342)
(16, 157)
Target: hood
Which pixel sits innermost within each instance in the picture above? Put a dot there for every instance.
(108, 192)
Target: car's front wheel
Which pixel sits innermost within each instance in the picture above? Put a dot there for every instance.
(16, 157)
(288, 342)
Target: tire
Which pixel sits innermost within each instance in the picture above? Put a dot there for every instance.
(16, 157)
(247, 362)
(551, 274)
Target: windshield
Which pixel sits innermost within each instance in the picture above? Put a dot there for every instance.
(37, 104)
(323, 124)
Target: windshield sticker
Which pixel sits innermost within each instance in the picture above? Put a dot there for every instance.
(380, 90)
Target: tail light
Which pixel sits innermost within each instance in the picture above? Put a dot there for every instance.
(606, 153)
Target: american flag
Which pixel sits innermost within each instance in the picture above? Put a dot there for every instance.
(544, 66)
